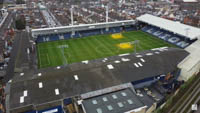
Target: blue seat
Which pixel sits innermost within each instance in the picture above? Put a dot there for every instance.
(76, 35)
(67, 35)
(54, 37)
(130, 28)
(90, 32)
(167, 36)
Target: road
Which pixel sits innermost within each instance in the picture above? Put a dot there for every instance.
(3, 29)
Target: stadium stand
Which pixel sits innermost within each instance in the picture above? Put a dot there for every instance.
(176, 33)
(191, 64)
(90, 32)
(77, 31)
(83, 33)
(167, 36)
(67, 35)
(129, 28)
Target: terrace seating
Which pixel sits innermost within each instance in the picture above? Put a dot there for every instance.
(90, 33)
(40, 39)
(116, 29)
(67, 35)
(54, 37)
(107, 31)
(129, 28)
(145, 28)
(76, 35)
(112, 30)
(182, 44)
(174, 39)
(167, 36)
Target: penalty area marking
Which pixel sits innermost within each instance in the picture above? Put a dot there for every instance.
(47, 56)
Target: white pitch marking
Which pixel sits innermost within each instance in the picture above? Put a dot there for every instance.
(57, 91)
(76, 77)
(40, 85)
(142, 59)
(136, 65)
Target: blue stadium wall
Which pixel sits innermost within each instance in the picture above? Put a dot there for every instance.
(147, 81)
(150, 80)
(84, 33)
(56, 109)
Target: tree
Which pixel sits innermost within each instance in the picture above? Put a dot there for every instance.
(20, 23)
(1, 3)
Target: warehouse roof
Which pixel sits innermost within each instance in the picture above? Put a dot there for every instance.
(57, 83)
(172, 26)
(116, 102)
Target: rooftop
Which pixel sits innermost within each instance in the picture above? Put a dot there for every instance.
(172, 26)
(116, 102)
(51, 84)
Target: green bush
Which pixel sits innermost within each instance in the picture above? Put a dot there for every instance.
(20, 24)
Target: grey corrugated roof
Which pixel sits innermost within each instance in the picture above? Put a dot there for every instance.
(172, 26)
(120, 104)
(93, 76)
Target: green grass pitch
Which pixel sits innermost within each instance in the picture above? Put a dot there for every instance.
(93, 47)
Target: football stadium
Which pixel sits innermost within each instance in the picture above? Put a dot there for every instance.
(62, 52)
(114, 67)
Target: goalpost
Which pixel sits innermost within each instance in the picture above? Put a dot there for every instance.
(62, 47)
